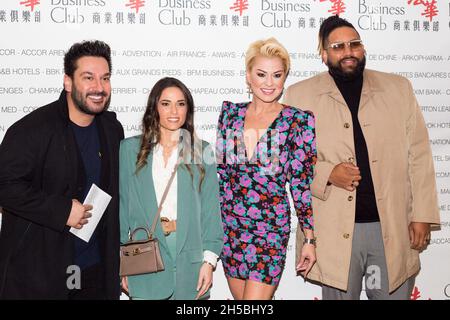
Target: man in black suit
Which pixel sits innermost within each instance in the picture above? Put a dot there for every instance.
(48, 161)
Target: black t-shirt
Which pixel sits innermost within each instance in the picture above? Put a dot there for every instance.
(87, 138)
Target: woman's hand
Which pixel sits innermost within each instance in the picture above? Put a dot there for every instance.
(205, 278)
(307, 259)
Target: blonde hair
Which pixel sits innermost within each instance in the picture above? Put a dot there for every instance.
(269, 48)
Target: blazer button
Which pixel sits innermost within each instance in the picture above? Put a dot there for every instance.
(346, 125)
(351, 159)
(350, 198)
(346, 235)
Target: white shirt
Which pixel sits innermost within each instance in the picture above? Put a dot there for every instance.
(161, 175)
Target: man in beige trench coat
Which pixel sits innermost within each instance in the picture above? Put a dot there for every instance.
(374, 190)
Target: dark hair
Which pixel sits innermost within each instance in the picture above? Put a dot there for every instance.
(79, 50)
(151, 129)
(328, 25)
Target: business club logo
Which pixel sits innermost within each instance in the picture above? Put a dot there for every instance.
(132, 4)
(72, 12)
(429, 8)
(373, 16)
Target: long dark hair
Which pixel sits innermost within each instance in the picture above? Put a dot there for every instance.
(151, 128)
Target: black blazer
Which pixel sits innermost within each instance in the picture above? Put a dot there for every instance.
(40, 172)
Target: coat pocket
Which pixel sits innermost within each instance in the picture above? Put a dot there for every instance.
(195, 256)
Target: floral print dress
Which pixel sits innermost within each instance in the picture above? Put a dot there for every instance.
(254, 201)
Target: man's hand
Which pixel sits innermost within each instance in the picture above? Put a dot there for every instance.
(79, 214)
(346, 176)
(419, 235)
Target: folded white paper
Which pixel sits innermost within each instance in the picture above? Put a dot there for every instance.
(99, 200)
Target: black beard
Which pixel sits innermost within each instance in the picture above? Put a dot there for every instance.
(81, 104)
(337, 72)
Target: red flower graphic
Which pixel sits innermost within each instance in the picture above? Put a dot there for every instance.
(430, 10)
(415, 295)
(337, 8)
(31, 3)
(240, 5)
(135, 4)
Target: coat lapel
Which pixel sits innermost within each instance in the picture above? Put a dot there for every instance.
(145, 190)
(72, 159)
(146, 196)
(104, 152)
(184, 203)
(328, 86)
(368, 90)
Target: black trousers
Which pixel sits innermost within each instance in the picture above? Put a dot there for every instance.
(92, 285)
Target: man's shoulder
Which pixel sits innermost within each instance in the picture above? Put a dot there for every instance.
(382, 78)
(43, 118)
(48, 110)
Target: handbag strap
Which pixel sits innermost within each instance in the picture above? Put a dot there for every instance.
(166, 191)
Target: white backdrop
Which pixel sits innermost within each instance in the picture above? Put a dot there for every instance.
(202, 43)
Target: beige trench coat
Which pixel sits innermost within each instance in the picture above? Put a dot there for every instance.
(400, 162)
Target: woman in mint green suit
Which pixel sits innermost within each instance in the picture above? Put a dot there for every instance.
(191, 238)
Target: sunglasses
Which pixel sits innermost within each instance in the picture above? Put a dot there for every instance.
(340, 46)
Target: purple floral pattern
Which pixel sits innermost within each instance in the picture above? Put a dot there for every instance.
(254, 201)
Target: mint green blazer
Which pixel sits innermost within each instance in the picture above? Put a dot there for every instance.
(199, 225)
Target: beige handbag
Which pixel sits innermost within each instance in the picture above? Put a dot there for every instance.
(144, 256)
(140, 256)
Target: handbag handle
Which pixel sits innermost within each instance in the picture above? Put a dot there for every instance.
(166, 191)
(149, 236)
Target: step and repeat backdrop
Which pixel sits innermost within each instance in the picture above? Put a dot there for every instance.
(202, 42)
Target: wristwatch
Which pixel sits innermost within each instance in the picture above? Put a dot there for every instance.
(309, 241)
